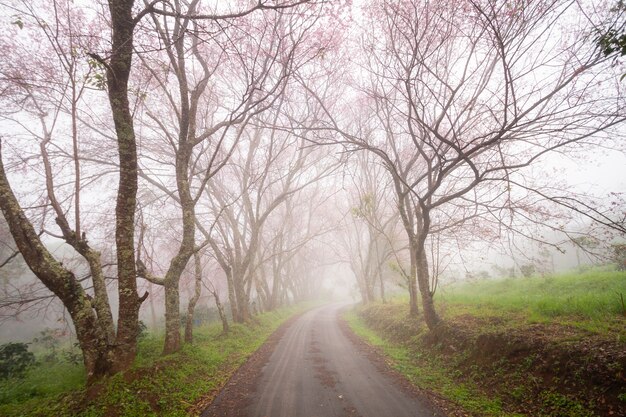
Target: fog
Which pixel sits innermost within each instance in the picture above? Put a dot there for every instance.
(326, 158)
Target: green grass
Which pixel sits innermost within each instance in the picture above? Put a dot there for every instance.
(426, 370)
(44, 380)
(155, 386)
(589, 300)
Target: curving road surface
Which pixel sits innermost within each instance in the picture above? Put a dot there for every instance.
(315, 370)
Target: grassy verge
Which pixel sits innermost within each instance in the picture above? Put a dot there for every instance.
(543, 346)
(155, 386)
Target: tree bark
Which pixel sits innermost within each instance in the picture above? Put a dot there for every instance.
(118, 73)
(221, 312)
(232, 299)
(243, 307)
(191, 307)
(413, 306)
(423, 279)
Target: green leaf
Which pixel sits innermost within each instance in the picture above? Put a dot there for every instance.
(18, 22)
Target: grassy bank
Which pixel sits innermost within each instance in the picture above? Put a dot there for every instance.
(155, 386)
(550, 346)
(424, 370)
(589, 300)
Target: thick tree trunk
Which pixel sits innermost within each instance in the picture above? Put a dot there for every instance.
(118, 72)
(243, 307)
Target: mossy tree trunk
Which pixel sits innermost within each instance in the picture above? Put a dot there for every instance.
(118, 73)
(191, 307)
(105, 351)
(92, 333)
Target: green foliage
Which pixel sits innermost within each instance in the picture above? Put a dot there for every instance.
(15, 359)
(366, 207)
(73, 355)
(612, 41)
(556, 404)
(50, 341)
(17, 21)
(41, 383)
(97, 75)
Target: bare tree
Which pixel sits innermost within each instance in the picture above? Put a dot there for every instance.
(466, 96)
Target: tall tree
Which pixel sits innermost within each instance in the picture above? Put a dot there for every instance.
(465, 96)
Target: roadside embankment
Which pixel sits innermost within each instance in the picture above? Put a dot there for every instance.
(506, 362)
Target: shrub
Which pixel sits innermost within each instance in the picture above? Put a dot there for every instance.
(14, 360)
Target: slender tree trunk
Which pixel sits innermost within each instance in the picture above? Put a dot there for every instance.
(191, 307)
(221, 312)
(101, 297)
(423, 278)
(185, 252)
(413, 306)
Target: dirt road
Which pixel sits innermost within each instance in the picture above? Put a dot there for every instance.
(313, 369)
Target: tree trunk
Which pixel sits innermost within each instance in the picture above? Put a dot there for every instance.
(243, 309)
(382, 285)
(423, 278)
(362, 289)
(118, 72)
(234, 311)
(221, 312)
(172, 318)
(413, 307)
(191, 307)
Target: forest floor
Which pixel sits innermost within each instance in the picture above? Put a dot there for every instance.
(544, 346)
(181, 384)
